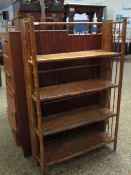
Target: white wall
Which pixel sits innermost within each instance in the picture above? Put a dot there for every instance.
(114, 7)
(10, 11)
(5, 22)
(85, 1)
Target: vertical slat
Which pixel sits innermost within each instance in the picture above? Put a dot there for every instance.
(107, 35)
(114, 39)
(37, 94)
(107, 39)
(28, 81)
(120, 79)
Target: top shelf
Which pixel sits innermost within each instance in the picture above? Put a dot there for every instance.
(75, 55)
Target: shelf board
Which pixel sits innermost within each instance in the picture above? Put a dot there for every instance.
(75, 55)
(74, 119)
(74, 145)
(73, 89)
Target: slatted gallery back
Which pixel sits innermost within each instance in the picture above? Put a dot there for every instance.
(63, 37)
(50, 42)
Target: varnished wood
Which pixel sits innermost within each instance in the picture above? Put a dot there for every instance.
(73, 89)
(107, 36)
(61, 132)
(75, 55)
(28, 80)
(74, 8)
(120, 79)
(15, 85)
(72, 146)
(74, 119)
(37, 93)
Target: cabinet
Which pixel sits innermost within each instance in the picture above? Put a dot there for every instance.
(14, 67)
(89, 9)
(15, 86)
(73, 89)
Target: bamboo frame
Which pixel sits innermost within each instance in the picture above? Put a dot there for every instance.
(36, 90)
(27, 73)
(72, 23)
(120, 80)
(32, 85)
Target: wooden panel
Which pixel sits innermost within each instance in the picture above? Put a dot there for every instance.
(73, 89)
(8, 63)
(11, 99)
(20, 95)
(6, 45)
(107, 36)
(47, 42)
(54, 73)
(67, 104)
(12, 118)
(74, 119)
(74, 145)
(13, 127)
(16, 97)
(9, 80)
(75, 56)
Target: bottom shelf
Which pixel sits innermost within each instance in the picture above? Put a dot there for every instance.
(69, 147)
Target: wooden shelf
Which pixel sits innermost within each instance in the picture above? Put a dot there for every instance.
(73, 89)
(74, 145)
(75, 55)
(74, 119)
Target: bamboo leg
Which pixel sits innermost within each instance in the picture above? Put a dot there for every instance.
(37, 94)
(27, 73)
(120, 81)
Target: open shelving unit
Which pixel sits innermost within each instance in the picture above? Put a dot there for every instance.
(73, 94)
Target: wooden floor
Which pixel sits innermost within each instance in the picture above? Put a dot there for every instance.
(73, 89)
(75, 55)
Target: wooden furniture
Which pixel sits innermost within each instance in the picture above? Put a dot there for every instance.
(54, 11)
(15, 86)
(22, 9)
(74, 97)
(20, 15)
(90, 9)
(13, 62)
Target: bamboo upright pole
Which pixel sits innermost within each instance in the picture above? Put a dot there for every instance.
(27, 74)
(37, 94)
(120, 80)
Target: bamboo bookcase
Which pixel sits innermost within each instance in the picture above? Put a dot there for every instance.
(76, 106)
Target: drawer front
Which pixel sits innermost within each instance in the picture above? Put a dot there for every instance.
(6, 45)
(9, 80)
(13, 128)
(11, 99)
(12, 119)
(8, 63)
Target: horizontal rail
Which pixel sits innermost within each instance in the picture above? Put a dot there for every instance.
(66, 23)
(73, 23)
